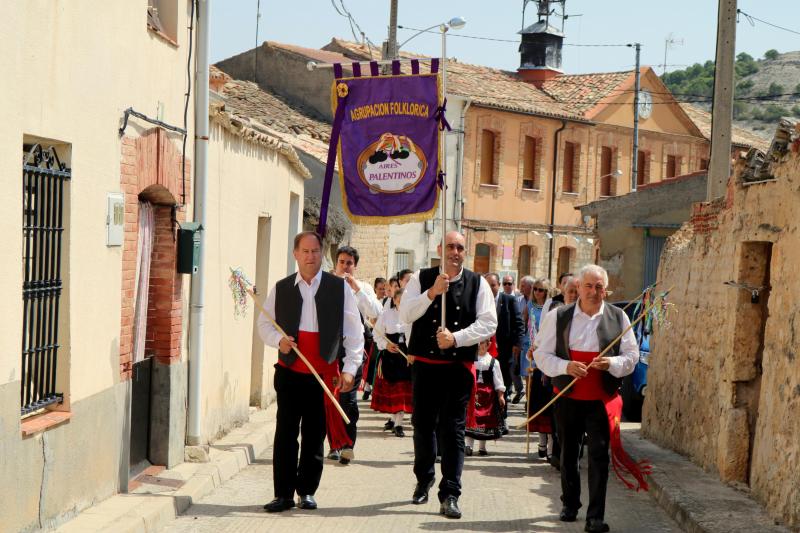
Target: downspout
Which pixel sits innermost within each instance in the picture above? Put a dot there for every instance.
(458, 208)
(556, 139)
(197, 293)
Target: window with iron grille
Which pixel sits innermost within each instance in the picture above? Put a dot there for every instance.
(402, 260)
(43, 185)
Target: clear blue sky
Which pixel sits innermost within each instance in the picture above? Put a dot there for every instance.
(312, 23)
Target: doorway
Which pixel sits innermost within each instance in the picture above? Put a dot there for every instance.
(483, 253)
(258, 383)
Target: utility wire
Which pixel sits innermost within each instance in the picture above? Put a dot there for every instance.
(751, 18)
(500, 40)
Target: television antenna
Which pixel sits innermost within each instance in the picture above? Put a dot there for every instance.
(670, 41)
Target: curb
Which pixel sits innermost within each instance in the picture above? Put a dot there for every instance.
(698, 501)
(147, 513)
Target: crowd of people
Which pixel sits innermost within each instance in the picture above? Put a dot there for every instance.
(451, 348)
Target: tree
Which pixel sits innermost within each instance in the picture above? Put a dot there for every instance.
(775, 89)
(744, 85)
(796, 110)
(745, 65)
(771, 54)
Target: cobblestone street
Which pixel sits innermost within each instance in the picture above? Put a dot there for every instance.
(502, 492)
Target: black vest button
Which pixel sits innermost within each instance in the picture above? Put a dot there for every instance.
(455, 323)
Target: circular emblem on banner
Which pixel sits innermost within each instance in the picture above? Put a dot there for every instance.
(341, 90)
(392, 164)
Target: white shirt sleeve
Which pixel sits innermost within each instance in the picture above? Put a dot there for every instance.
(625, 362)
(353, 331)
(269, 334)
(497, 376)
(544, 353)
(368, 303)
(379, 332)
(414, 302)
(485, 323)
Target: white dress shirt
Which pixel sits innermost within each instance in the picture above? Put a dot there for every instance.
(483, 363)
(352, 328)
(389, 322)
(583, 338)
(368, 303)
(416, 302)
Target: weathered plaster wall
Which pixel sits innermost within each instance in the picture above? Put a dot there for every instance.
(716, 393)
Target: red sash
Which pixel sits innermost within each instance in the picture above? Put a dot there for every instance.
(591, 388)
(308, 344)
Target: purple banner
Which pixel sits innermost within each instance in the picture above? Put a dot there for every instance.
(388, 147)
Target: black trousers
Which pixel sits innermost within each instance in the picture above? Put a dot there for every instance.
(301, 412)
(573, 418)
(440, 394)
(349, 403)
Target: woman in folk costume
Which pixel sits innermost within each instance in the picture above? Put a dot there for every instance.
(485, 413)
(540, 391)
(392, 389)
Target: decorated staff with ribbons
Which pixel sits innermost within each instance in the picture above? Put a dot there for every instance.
(442, 373)
(568, 346)
(318, 313)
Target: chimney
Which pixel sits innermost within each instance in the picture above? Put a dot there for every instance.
(540, 53)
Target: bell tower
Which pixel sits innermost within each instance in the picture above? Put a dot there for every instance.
(540, 46)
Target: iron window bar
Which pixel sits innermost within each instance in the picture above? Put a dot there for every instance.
(43, 177)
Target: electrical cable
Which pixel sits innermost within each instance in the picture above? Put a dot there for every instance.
(186, 104)
(506, 40)
(751, 18)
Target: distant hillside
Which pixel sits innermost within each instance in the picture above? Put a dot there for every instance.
(766, 88)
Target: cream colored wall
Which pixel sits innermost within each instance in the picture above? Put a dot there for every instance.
(246, 181)
(70, 70)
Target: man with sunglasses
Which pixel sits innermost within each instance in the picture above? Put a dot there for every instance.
(441, 375)
(508, 285)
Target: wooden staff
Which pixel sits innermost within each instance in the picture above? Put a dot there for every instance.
(408, 361)
(651, 287)
(571, 383)
(301, 356)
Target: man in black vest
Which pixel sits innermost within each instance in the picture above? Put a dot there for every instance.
(370, 308)
(510, 328)
(442, 376)
(567, 347)
(318, 312)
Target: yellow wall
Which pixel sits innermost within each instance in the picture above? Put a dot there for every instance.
(70, 70)
(246, 181)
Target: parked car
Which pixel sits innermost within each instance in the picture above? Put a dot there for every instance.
(634, 385)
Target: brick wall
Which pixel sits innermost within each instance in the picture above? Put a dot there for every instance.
(150, 170)
(372, 243)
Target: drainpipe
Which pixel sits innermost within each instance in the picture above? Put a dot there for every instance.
(197, 294)
(556, 138)
(459, 207)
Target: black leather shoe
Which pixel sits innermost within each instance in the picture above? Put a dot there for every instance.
(449, 507)
(596, 525)
(279, 505)
(307, 502)
(365, 396)
(421, 493)
(468, 451)
(568, 515)
(482, 452)
(554, 461)
(389, 425)
(517, 397)
(398, 431)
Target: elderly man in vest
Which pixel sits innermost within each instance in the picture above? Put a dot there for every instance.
(568, 346)
(319, 314)
(442, 377)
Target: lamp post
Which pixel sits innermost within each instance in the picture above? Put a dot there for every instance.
(455, 23)
(617, 173)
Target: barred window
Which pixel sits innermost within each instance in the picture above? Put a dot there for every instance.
(43, 187)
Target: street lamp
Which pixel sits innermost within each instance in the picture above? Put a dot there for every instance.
(455, 23)
(617, 173)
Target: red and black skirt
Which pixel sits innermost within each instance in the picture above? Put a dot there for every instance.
(391, 392)
(539, 393)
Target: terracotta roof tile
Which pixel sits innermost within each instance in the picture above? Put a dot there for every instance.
(739, 136)
(484, 85)
(290, 123)
(581, 92)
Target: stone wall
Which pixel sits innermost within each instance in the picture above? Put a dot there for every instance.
(372, 243)
(724, 381)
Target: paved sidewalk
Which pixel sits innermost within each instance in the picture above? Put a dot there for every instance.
(502, 492)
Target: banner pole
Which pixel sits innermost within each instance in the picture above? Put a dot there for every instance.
(443, 28)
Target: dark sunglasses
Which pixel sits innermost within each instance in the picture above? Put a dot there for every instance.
(539, 289)
(507, 283)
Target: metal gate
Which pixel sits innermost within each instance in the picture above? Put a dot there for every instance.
(652, 254)
(43, 177)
